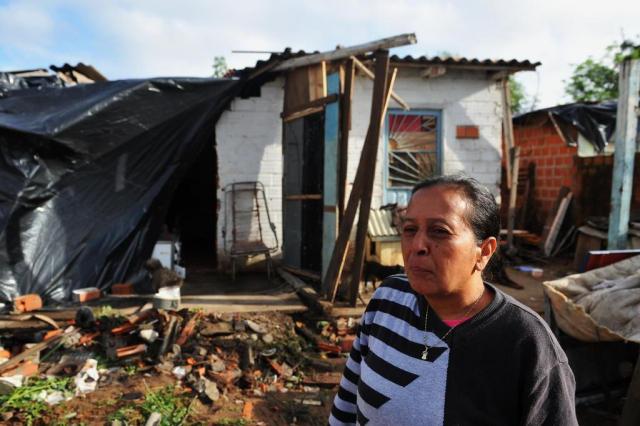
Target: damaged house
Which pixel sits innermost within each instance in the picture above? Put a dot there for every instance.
(167, 158)
(445, 116)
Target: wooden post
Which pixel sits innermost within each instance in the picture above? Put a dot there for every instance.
(625, 149)
(365, 202)
(345, 126)
(330, 186)
(513, 194)
(507, 129)
(331, 278)
(631, 410)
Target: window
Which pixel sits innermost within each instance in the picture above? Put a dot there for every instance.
(412, 148)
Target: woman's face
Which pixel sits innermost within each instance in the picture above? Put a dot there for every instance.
(439, 248)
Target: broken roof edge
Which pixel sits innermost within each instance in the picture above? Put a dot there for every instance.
(286, 60)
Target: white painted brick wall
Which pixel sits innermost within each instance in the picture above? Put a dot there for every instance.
(249, 135)
(249, 147)
(464, 99)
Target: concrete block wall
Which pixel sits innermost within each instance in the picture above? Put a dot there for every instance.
(464, 98)
(249, 148)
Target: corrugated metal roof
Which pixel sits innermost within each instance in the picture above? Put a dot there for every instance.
(381, 225)
(453, 61)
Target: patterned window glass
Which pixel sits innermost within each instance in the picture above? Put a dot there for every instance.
(412, 149)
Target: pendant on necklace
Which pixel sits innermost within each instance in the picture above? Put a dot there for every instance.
(425, 352)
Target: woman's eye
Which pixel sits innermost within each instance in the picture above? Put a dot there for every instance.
(439, 232)
(408, 230)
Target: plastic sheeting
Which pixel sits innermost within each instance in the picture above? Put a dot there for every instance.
(600, 305)
(87, 173)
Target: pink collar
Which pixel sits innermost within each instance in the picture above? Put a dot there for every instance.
(455, 322)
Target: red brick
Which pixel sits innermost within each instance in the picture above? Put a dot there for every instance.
(122, 289)
(27, 303)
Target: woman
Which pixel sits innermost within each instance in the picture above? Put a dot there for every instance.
(439, 345)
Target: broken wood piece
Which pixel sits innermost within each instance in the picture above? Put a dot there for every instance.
(328, 347)
(345, 127)
(34, 350)
(142, 315)
(89, 338)
(513, 194)
(302, 272)
(378, 114)
(367, 157)
(507, 129)
(188, 329)
(366, 71)
(345, 52)
(127, 351)
(306, 293)
(309, 108)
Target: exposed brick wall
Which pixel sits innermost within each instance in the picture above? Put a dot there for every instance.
(554, 160)
(558, 165)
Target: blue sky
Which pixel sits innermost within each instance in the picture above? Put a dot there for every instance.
(147, 38)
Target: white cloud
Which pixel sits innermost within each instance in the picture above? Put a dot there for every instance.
(150, 38)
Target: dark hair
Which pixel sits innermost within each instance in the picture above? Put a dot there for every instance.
(484, 215)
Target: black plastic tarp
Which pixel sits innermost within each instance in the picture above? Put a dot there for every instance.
(87, 174)
(596, 122)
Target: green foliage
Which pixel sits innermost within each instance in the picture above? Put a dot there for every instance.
(172, 407)
(597, 80)
(518, 95)
(219, 67)
(27, 399)
(593, 81)
(231, 422)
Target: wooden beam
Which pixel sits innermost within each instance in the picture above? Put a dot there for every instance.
(365, 203)
(309, 108)
(513, 194)
(360, 49)
(507, 129)
(331, 154)
(624, 155)
(366, 71)
(303, 197)
(369, 150)
(345, 126)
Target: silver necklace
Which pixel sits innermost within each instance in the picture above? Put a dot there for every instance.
(425, 352)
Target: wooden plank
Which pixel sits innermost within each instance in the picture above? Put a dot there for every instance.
(631, 410)
(330, 186)
(315, 104)
(345, 126)
(345, 52)
(624, 155)
(513, 194)
(306, 293)
(550, 241)
(302, 272)
(303, 197)
(301, 114)
(366, 71)
(507, 129)
(330, 280)
(365, 204)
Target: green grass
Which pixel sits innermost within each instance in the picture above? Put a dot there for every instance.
(173, 408)
(231, 422)
(25, 399)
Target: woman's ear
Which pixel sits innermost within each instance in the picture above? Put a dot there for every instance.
(486, 250)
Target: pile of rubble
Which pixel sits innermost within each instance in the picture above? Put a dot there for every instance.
(210, 357)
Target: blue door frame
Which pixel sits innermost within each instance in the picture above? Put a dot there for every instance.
(401, 195)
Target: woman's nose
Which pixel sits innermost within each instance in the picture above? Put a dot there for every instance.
(420, 244)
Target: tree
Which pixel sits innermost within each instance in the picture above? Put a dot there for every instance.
(219, 67)
(597, 80)
(518, 96)
(593, 81)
